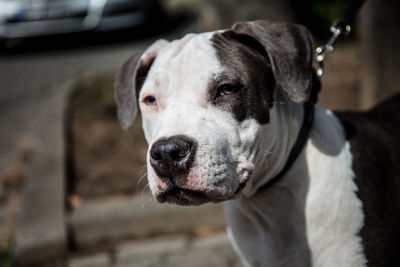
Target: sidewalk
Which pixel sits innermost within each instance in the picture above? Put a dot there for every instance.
(150, 234)
(171, 251)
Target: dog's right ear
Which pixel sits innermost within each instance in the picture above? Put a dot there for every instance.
(129, 81)
(290, 51)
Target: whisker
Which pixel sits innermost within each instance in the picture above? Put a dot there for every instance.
(230, 170)
(145, 202)
(144, 166)
(269, 153)
(287, 259)
(141, 179)
(144, 189)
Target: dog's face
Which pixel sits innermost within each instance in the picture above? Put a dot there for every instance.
(200, 118)
(204, 100)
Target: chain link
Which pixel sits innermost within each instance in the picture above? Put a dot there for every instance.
(338, 29)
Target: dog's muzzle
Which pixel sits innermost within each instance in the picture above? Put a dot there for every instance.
(172, 158)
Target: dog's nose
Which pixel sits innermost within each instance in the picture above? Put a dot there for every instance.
(172, 157)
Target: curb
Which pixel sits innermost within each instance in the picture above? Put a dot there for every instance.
(40, 233)
(137, 218)
(173, 251)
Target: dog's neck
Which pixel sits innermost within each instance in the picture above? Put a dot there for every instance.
(275, 141)
(270, 208)
(311, 216)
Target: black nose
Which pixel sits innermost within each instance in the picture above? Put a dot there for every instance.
(172, 157)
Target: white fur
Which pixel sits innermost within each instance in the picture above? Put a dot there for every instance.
(312, 216)
(179, 80)
(333, 211)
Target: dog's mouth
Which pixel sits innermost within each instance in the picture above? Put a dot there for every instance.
(186, 197)
(183, 196)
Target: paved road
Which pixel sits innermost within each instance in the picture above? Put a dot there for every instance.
(29, 80)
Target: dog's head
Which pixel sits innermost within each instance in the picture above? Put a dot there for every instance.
(206, 98)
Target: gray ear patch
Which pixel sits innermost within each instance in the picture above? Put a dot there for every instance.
(125, 94)
(289, 47)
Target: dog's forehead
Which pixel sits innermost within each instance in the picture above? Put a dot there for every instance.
(184, 66)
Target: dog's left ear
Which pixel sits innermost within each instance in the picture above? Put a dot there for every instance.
(289, 48)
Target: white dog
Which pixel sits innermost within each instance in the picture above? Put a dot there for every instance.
(229, 116)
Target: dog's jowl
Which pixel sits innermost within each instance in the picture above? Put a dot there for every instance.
(229, 116)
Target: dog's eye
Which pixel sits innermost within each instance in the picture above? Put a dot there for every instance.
(150, 100)
(227, 89)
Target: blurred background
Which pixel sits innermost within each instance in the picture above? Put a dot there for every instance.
(73, 185)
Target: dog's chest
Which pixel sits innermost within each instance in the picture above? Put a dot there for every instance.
(312, 217)
(334, 214)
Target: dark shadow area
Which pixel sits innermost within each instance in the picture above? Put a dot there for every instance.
(162, 25)
(318, 15)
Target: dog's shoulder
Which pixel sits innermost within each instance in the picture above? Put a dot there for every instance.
(374, 138)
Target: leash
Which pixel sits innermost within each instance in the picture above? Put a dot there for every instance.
(339, 28)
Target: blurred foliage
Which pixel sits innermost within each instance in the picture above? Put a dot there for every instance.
(96, 92)
(327, 11)
(318, 15)
(5, 256)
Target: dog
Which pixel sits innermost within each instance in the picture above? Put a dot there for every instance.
(229, 116)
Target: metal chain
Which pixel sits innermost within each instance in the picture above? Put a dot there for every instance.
(338, 29)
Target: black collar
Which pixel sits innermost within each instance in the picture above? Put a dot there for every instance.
(298, 146)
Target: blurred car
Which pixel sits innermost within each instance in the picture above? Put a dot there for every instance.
(31, 18)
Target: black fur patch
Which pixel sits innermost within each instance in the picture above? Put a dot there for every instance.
(247, 67)
(375, 144)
